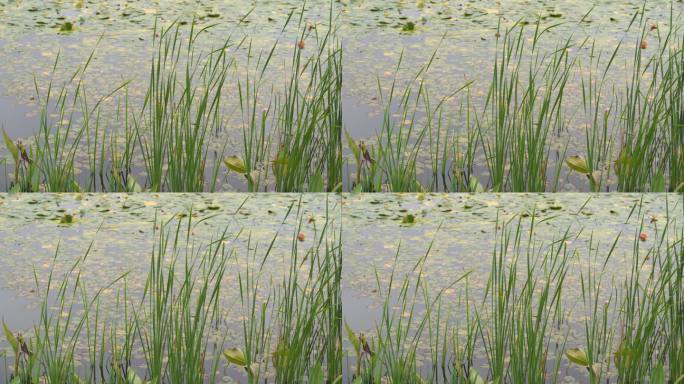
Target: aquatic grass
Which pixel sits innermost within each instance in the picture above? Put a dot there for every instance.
(461, 367)
(296, 134)
(175, 313)
(540, 300)
(674, 314)
(48, 353)
(635, 327)
(523, 108)
(47, 163)
(256, 141)
(308, 126)
(390, 352)
(399, 141)
(598, 324)
(641, 162)
(296, 326)
(256, 333)
(182, 107)
(459, 176)
(56, 145)
(398, 336)
(309, 313)
(521, 307)
(391, 163)
(644, 309)
(676, 106)
(599, 135)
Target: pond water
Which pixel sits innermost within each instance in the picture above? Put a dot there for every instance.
(459, 231)
(371, 31)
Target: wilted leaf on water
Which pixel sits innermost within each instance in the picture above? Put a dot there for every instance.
(236, 164)
(235, 356)
(577, 163)
(577, 356)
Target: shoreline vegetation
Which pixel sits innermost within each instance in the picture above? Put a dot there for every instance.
(294, 140)
(294, 328)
